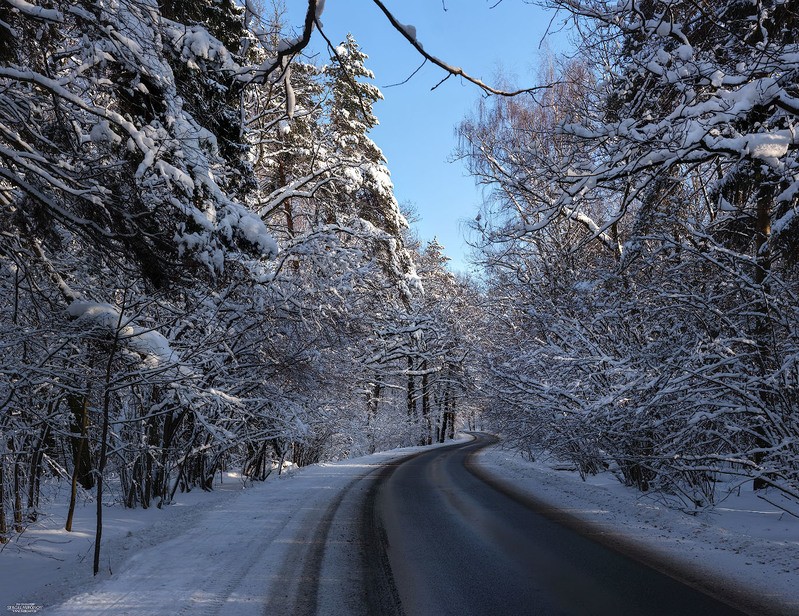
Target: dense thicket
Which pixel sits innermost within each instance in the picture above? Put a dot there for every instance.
(640, 245)
(202, 262)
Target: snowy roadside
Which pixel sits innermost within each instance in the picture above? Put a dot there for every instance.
(745, 543)
(45, 564)
(199, 551)
(221, 549)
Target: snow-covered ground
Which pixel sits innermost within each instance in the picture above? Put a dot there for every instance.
(219, 552)
(214, 553)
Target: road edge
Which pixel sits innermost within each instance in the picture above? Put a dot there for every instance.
(721, 588)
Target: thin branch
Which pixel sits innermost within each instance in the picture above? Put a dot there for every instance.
(296, 46)
(409, 77)
(452, 70)
(441, 82)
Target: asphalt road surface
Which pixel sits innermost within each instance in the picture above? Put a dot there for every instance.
(456, 544)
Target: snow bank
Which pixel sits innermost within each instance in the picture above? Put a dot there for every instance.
(214, 551)
(185, 558)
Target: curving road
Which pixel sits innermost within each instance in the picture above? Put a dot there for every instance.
(392, 534)
(457, 544)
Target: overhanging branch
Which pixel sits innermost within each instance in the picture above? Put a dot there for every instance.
(452, 70)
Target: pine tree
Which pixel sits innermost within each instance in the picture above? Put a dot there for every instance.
(368, 192)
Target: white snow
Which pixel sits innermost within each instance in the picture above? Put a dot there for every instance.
(36, 11)
(253, 228)
(684, 52)
(409, 30)
(287, 43)
(784, 221)
(222, 552)
(770, 146)
(148, 342)
(175, 175)
(101, 132)
(291, 99)
(207, 551)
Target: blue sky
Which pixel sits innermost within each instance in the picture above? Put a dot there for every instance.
(417, 125)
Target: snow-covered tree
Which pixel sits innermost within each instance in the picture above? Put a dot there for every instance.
(646, 222)
(151, 327)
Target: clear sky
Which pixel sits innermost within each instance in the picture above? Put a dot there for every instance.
(417, 125)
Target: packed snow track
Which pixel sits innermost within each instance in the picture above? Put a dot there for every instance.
(414, 533)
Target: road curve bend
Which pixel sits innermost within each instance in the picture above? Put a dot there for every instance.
(457, 544)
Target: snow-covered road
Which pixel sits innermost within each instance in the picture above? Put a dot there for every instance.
(296, 549)
(311, 542)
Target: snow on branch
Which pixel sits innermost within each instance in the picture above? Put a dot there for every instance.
(145, 341)
(36, 12)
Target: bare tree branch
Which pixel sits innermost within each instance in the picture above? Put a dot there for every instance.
(409, 77)
(452, 70)
(295, 46)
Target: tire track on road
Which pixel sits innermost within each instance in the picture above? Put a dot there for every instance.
(299, 593)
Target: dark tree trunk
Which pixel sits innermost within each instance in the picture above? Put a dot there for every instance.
(371, 410)
(762, 321)
(18, 479)
(98, 535)
(81, 453)
(78, 456)
(442, 431)
(35, 474)
(427, 438)
(3, 523)
(411, 391)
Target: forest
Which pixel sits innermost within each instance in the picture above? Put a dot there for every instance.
(204, 266)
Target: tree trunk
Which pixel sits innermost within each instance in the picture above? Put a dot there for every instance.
(411, 393)
(35, 474)
(761, 334)
(81, 453)
(76, 470)
(442, 431)
(427, 438)
(372, 402)
(98, 535)
(448, 420)
(3, 523)
(18, 525)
